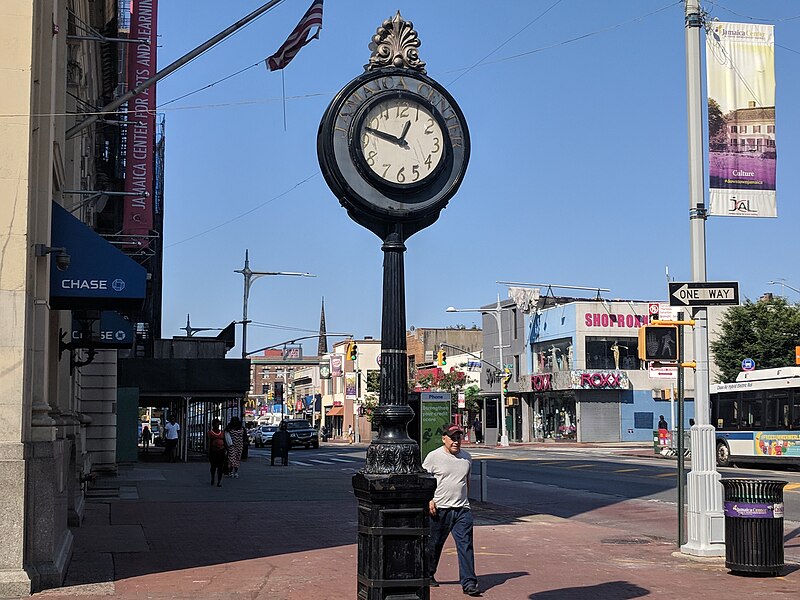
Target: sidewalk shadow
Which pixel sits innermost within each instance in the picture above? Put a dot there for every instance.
(613, 590)
(491, 580)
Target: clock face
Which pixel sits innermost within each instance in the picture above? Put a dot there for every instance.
(401, 141)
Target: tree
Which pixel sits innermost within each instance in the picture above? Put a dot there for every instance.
(766, 331)
(716, 123)
(472, 394)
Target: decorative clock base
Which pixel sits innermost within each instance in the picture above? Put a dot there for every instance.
(393, 525)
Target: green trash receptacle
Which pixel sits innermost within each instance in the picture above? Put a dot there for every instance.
(754, 525)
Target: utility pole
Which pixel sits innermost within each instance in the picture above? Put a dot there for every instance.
(706, 531)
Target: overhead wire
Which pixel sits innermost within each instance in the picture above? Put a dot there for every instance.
(244, 214)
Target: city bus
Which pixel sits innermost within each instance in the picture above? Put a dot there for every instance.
(758, 417)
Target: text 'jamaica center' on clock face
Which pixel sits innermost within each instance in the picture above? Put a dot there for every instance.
(401, 140)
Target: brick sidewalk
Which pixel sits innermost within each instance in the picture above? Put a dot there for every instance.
(288, 534)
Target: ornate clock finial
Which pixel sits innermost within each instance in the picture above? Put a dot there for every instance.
(395, 44)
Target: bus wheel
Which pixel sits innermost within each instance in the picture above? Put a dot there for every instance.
(723, 455)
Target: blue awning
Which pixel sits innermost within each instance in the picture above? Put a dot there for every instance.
(99, 275)
(111, 330)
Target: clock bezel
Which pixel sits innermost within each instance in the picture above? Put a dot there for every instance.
(368, 200)
(357, 131)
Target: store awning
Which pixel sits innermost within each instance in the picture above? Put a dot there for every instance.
(335, 411)
(98, 276)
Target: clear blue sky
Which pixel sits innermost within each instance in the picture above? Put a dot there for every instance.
(578, 172)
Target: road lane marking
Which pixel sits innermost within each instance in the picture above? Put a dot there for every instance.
(322, 462)
(625, 470)
(666, 475)
(580, 467)
(340, 459)
(791, 487)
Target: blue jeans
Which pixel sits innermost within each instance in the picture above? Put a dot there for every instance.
(457, 521)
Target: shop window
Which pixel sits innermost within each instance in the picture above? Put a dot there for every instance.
(555, 355)
(612, 353)
(643, 420)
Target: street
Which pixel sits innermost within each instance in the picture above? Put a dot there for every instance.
(593, 485)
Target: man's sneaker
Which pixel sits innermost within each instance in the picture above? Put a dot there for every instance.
(472, 591)
(434, 583)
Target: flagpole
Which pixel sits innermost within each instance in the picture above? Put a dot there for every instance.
(283, 93)
(113, 106)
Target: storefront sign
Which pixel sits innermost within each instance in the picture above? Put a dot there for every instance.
(607, 320)
(754, 510)
(542, 382)
(599, 380)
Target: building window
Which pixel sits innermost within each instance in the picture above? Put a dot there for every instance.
(734, 129)
(555, 355)
(756, 128)
(514, 315)
(516, 367)
(612, 353)
(742, 128)
(770, 128)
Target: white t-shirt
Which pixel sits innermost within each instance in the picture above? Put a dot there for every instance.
(452, 475)
(172, 430)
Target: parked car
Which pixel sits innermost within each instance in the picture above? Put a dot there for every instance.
(263, 435)
(301, 433)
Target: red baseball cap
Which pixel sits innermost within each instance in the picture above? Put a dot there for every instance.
(452, 431)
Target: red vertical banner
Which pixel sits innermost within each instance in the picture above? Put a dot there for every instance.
(137, 216)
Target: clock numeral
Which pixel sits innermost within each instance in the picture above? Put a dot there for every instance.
(428, 162)
(371, 158)
(365, 140)
(404, 112)
(436, 145)
(400, 175)
(429, 127)
(415, 172)
(386, 170)
(416, 117)
(385, 113)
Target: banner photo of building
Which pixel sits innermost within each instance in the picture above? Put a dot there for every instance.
(740, 71)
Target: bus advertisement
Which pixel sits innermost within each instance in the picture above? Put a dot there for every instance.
(757, 417)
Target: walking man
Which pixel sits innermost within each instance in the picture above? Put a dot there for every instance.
(171, 444)
(280, 445)
(477, 426)
(449, 509)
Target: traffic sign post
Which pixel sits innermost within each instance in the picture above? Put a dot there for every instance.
(704, 293)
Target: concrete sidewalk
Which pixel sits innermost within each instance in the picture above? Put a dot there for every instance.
(289, 533)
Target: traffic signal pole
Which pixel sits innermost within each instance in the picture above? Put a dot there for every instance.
(706, 531)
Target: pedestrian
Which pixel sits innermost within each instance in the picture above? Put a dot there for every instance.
(449, 508)
(350, 435)
(171, 444)
(324, 432)
(662, 422)
(477, 427)
(235, 446)
(217, 451)
(280, 445)
(147, 437)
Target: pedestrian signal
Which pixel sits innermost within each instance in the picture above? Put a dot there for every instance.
(658, 342)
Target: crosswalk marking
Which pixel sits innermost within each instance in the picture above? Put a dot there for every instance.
(322, 462)
(625, 470)
(339, 459)
(302, 464)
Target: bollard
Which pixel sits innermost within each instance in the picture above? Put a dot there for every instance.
(484, 481)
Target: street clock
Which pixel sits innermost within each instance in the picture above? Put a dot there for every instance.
(393, 144)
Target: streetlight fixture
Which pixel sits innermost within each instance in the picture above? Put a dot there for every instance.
(783, 284)
(249, 277)
(497, 313)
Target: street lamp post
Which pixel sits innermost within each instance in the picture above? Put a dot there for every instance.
(783, 284)
(249, 277)
(497, 313)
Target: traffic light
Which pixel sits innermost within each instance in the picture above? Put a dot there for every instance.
(352, 351)
(659, 343)
(441, 357)
(506, 379)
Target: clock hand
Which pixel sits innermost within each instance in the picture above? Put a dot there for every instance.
(386, 136)
(406, 127)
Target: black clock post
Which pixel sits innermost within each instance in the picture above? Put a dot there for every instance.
(395, 113)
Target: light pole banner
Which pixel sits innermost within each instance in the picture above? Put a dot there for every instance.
(740, 71)
(350, 391)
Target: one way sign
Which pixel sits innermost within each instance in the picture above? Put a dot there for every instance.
(704, 293)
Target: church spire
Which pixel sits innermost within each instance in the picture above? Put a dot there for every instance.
(323, 339)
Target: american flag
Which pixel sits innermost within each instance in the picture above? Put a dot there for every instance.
(299, 37)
